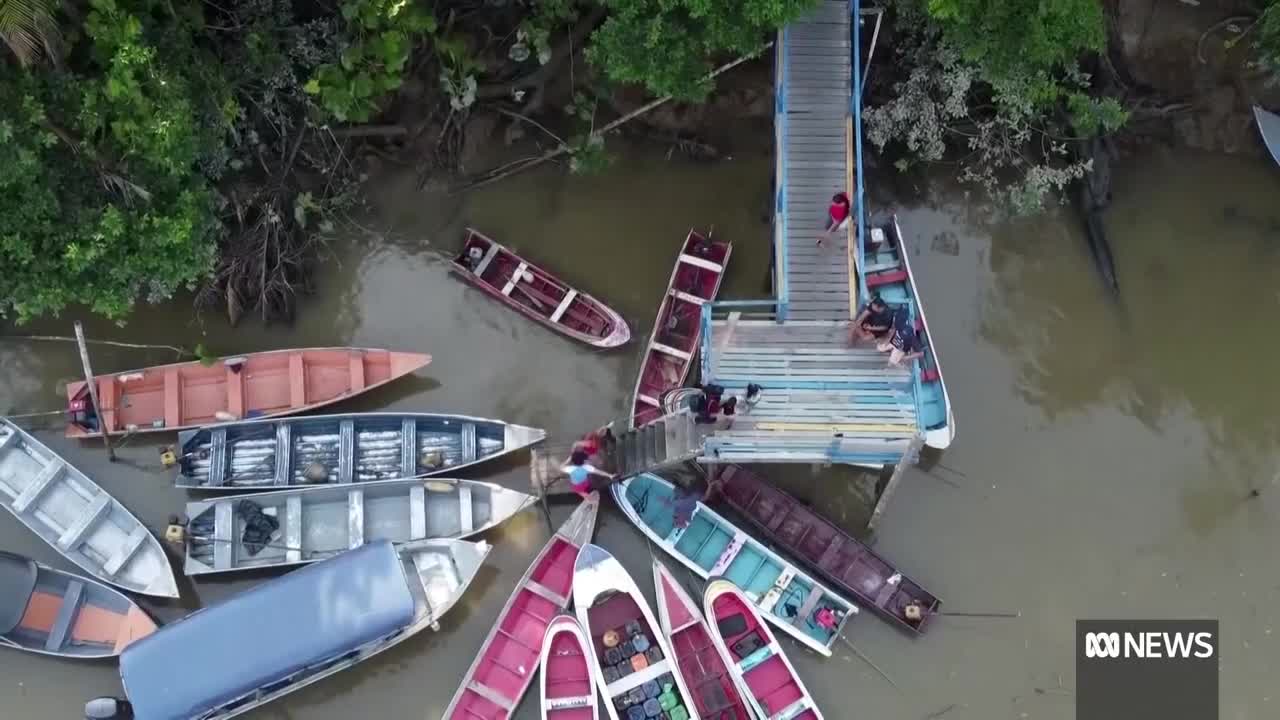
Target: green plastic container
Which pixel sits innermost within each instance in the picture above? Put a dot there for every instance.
(678, 713)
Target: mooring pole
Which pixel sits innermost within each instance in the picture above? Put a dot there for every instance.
(540, 477)
(93, 391)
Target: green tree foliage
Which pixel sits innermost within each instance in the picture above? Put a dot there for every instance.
(669, 45)
(28, 29)
(1267, 41)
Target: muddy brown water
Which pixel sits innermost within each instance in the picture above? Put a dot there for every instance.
(1102, 468)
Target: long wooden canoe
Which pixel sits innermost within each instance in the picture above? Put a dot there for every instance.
(673, 344)
(507, 661)
(48, 611)
(710, 545)
(79, 519)
(315, 523)
(341, 449)
(297, 629)
(568, 687)
(630, 657)
(537, 294)
(715, 692)
(833, 554)
(764, 673)
(257, 385)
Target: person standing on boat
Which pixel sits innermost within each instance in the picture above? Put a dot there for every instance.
(837, 216)
(580, 472)
(873, 323)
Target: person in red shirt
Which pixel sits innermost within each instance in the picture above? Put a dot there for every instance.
(837, 215)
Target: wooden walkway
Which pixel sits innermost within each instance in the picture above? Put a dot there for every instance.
(812, 125)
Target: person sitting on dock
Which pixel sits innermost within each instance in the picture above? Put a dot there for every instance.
(580, 472)
(904, 344)
(837, 216)
(873, 323)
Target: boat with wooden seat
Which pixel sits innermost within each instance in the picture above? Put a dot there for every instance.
(341, 449)
(303, 525)
(508, 659)
(568, 688)
(537, 294)
(48, 611)
(695, 281)
(888, 273)
(630, 657)
(757, 662)
(710, 545)
(256, 385)
(296, 629)
(714, 690)
(79, 519)
(834, 555)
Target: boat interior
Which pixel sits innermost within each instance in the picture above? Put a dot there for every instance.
(699, 661)
(708, 542)
(765, 672)
(567, 678)
(245, 455)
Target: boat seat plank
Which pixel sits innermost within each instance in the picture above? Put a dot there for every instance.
(235, 391)
(700, 262)
(293, 528)
(356, 364)
(297, 381)
(810, 602)
(466, 518)
(48, 474)
(515, 278)
(636, 679)
(730, 553)
(468, 436)
(346, 451)
(648, 400)
(417, 512)
(489, 255)
(828, 559)
(74, 534)
(66, 614)
(491, 695)
(564, 305)
(284, 452)
(547, 593)
(355, 518)
(126, 551)
(774, 593)
(668, 350)
(692, 299)
(224, 542)
(8, 441)
(172, 398)
(217, 457)
(408, 448)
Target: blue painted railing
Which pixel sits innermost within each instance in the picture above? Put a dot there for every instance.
(855, 107)
(781, 263)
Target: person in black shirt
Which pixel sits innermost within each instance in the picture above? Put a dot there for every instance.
(873, 323)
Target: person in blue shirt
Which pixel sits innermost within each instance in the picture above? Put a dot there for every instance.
(580, 472)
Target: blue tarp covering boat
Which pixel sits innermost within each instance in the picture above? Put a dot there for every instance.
(263, 636)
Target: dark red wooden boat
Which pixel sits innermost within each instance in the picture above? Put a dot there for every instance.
(536, 293)
(829, 551)
(674, 342)
(714, 692)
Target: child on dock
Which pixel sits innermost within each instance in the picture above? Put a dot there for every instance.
(837, 215)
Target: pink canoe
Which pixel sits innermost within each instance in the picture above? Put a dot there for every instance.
(695, 280)
(537, 294)
(756, 661)
(508, 660)
(568, 690)
(256, 385)
(715, 693)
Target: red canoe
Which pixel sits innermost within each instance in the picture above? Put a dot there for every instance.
(539, 295)
(674, 342)
(568, 688)
(508, 660)
(714, 692)
(747, 645)
(257, 385)
(830, 552)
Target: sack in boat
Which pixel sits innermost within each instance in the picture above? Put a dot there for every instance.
(732, 625)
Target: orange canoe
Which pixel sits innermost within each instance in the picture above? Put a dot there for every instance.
(264, 384)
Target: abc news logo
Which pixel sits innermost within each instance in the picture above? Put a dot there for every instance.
(1149, 645)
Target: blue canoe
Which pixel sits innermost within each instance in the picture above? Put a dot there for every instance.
(711, 546)
(888, 272)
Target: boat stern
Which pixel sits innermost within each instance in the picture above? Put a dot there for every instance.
(505, 502)
(621, 335)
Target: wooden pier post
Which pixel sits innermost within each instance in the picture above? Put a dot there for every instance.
(93, 391)
(541, 479)
(908, 458)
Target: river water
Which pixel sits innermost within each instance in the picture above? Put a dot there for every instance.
(1102, 468)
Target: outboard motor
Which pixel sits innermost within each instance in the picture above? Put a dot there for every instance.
(108, 708)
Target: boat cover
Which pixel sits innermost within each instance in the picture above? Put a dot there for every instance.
(17, 582)
(267, 634)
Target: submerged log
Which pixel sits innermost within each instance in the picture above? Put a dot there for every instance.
(1093, 195)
